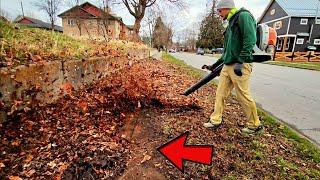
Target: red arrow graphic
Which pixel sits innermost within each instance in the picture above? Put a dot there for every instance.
(176, 151)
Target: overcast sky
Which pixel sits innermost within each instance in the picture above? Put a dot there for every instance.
(185, 18)
(197, 7)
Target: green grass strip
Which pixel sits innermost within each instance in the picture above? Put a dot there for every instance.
(301, 65)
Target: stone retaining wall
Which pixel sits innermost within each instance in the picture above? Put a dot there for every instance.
(47, 82)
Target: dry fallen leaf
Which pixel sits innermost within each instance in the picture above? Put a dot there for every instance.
(1, 104)
(83, 106)
(52, 164)
(29, 158)
(16, 143)
(30, 173)
(14, 178)
(2, 165)
(67, 87)
(36, 58)
(111, 145)
(145, 158)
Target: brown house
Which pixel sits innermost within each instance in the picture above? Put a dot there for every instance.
(90, 22)
(32, 22)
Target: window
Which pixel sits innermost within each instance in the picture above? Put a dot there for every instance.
(304, 21)
(71, 22)
(316, 42)
(300, 41)
(277, 25)
(279, 45)
(90, 22)
(272, 12)
(317, 21)
(288, 44)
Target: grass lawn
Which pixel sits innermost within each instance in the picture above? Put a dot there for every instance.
(301, 65)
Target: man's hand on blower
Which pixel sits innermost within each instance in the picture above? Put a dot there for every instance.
(211, 67)
(207, 67)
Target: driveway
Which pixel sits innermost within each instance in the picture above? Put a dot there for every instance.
(292, 95)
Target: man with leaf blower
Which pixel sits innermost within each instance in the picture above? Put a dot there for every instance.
(240, 39)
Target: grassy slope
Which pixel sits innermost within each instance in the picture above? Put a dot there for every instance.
(307, 149)
(17, 43)
(37, 41)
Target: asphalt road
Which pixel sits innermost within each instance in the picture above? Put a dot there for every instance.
(292, 95)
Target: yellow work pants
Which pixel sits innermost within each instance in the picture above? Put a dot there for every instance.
(229, 80)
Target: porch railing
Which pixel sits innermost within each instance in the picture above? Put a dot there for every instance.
(309, 56)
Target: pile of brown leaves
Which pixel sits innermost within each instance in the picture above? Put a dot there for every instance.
(83, 135)
(79, 136)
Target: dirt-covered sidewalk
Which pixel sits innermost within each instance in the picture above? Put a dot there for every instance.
(111, 130)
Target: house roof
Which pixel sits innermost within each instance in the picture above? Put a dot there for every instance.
(296, 8)
(2, 18)
(100, 13)
(300, 8)
(37, 23)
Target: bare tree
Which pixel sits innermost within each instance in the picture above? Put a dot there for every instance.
(51, 7)
(4, 14)
(104, 22)
(149, 22)
(137, 8)
(188, 37)
(31, 14)
(76, 17)
(72, 3)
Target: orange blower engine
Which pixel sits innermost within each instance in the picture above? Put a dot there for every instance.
(266, 43)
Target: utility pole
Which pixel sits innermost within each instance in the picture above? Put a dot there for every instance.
(315, 22)
(22, 9)
(317, 12)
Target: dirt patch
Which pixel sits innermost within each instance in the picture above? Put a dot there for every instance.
(143, 173)
(145, 135)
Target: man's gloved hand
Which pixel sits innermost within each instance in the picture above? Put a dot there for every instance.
(211, 67)
(237, 69)
(207, 67)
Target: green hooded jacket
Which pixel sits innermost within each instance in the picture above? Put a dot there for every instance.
(239, 38)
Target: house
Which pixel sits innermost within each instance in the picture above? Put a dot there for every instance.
(297, 24)
(89, 21)
(24, 20)
(127, 32)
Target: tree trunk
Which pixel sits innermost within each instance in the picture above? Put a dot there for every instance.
(136, 28)
(52, 26)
